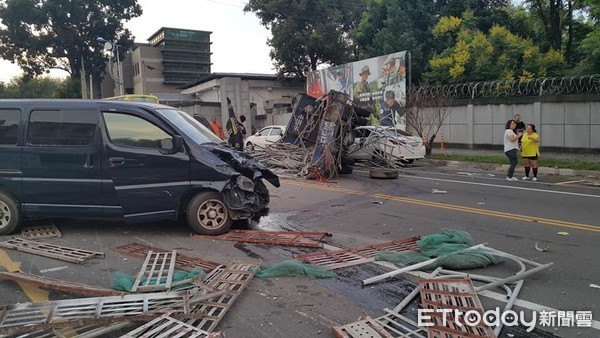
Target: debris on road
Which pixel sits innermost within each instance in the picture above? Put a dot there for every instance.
(291, 268)
(183, 262)
(41, 231)
(455, 294)
(539, 248)
(367, 327)
(436, 191)
(64, 253)
(383, 173)
(290, 238)
(158, 273)
(166, 326)
(377, 202)
(231, 279)
(359, 255)
(63, 313)
(48, 283)
(595, 286)
(562, 233)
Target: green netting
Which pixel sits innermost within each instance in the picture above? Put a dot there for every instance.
(124, 282)
(448, 246)
(292, 267)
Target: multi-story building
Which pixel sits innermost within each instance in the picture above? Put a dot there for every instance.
(171, 58)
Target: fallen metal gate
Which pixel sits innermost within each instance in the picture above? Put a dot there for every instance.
(290, 238)
(62, 313)
(183, 262)
(167, 327)
(231, 279)
(41, 231)
(358, 255)
(452, 294)
(156, 272)
(49, 250)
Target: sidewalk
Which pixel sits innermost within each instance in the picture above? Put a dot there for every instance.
(591, 157)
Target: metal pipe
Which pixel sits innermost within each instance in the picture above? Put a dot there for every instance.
(516, 277)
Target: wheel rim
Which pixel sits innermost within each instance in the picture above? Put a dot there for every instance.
(212, 214)
(4, 214)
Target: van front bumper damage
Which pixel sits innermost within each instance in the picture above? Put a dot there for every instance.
(246, 195)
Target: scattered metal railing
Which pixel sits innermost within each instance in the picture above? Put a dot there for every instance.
(568, 85)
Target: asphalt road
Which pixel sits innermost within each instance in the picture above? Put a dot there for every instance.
(357, 210)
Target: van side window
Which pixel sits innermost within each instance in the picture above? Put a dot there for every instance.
(62, 127)
(10, 119)
(132, 131)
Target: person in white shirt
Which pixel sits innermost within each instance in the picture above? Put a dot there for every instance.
(511, 147)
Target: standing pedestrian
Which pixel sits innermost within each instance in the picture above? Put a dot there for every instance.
(531, 151)
(511, 147)
(216, 128)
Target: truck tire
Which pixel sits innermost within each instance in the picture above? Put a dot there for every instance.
(207, 214)
(10, 217)
(383, 173)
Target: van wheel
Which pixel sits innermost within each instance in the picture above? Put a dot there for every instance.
(250, 146)
(9, 214)
(409, 161)
(207, 214)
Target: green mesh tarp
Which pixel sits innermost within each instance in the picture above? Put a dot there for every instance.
(124, 282)
(448, 246)
(292, 268)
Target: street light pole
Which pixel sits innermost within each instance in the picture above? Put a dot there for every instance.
(114, 48)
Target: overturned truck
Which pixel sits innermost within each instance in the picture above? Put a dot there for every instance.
(322, 130)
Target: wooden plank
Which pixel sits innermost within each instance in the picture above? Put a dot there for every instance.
(156, 272)
(58, 285)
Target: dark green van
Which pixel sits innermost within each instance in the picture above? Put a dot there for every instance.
(115, 159)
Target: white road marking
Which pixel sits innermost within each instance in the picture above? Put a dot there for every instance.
(569, 182)
(500, 186)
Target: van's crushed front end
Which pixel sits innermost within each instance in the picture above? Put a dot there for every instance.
(246, 194)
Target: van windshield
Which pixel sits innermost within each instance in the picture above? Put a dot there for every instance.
(190, 126)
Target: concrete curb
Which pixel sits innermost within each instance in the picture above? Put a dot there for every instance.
(504, 167)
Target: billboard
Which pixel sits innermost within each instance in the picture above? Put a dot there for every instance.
(377, 84)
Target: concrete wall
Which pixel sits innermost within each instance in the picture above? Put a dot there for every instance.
(561, 121)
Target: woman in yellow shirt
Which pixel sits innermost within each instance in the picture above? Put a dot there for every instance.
(530, 151)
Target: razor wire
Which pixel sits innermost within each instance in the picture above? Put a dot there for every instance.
(568, 85)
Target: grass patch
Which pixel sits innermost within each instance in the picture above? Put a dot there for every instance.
(542, 162)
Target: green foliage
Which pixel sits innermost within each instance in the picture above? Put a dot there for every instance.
(307, 33)
(40, 87)
(499, 54)
(590, 45)
(40, 35)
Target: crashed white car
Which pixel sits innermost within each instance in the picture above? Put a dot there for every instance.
(386, 143)
(265, 137)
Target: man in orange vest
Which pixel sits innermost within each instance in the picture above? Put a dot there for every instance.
(216, 127)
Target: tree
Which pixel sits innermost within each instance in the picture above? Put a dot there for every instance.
(497, 54)
(25, 86)
(307, 33)
(40, 35)
(426, 113)
(391, 26)
(590, 45)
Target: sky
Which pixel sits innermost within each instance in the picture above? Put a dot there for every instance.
(239, 41)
